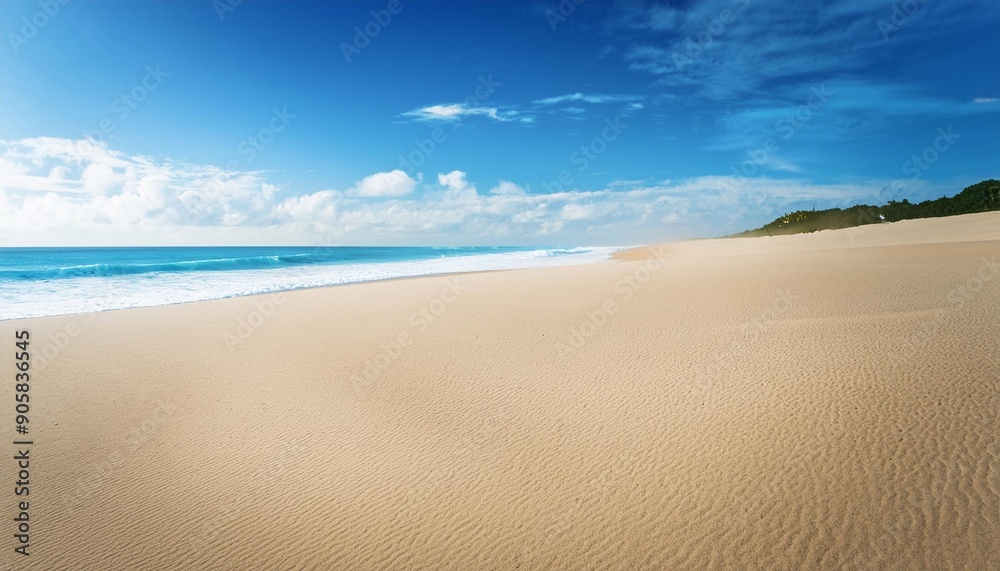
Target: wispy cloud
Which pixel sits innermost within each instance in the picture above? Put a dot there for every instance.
(985, 100)
(456, 111)
(728, 49)
(850, 109)
(596, 98)
(777, 163)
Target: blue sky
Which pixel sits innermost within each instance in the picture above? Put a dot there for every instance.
(480, 123)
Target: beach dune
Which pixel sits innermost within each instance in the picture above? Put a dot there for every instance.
(820, 401)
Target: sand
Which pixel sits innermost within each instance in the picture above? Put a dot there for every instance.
(821, 401)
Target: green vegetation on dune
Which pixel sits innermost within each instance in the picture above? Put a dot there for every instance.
(981, 197)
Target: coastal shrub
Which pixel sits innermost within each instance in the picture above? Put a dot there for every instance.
(980, 197)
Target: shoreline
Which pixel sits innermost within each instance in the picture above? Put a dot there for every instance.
(852, 237)
(308, 287)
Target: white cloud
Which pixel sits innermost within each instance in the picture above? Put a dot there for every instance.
(392, 183)
(985, 100)
(158, 201)
(455, 180)
(455, 111)
(694, 49)
(99, 178)
(507, 188)
(316, 206)
(587, 98)
(573, 211)
(779, 164)
(60, 183)
(37, 183)
(528, 215)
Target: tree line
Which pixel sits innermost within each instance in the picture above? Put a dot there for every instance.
(980, 197)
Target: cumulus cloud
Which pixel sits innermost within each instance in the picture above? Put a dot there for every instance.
(507, 188)
(316, 206)
(52, 193)
(392, 183)
(55, 183)
(455, 180)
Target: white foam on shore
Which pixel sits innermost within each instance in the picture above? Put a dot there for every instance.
(90, 294)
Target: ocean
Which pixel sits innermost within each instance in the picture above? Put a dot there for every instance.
(37, 282)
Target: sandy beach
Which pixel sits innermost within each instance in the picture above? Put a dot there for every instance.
(820, 401)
